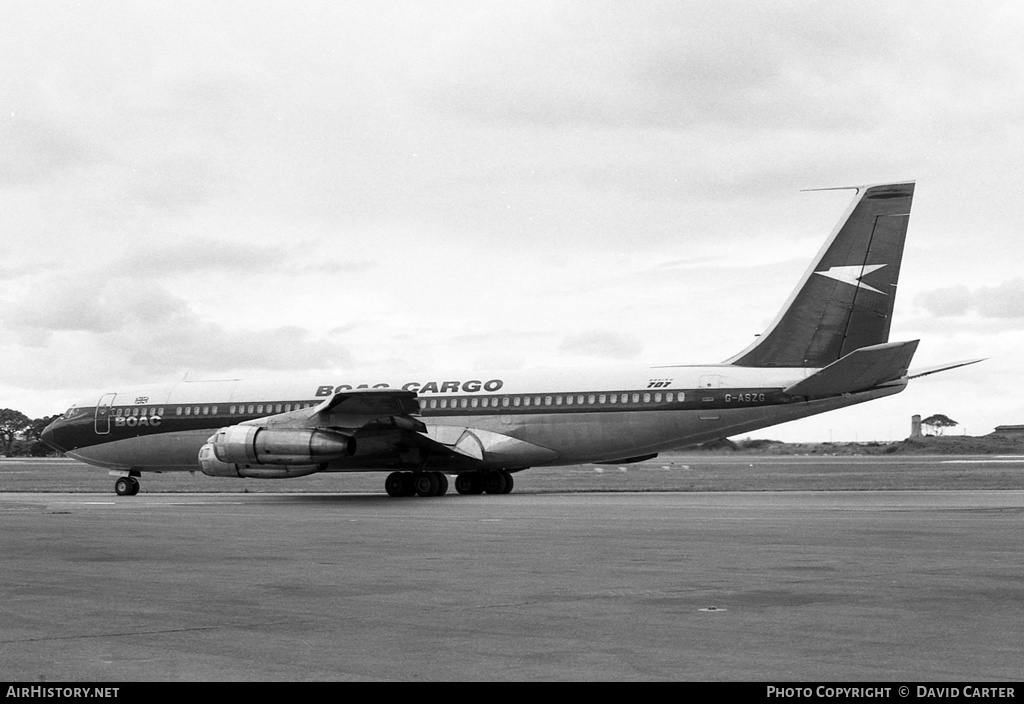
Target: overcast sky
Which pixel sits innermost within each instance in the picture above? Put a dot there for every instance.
(278, 189)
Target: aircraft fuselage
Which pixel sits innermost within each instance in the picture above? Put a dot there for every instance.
(561, 417)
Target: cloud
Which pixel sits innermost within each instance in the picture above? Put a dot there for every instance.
(37, 146)
(149, 331)
(1003, 301)
(111, 306)
(670, 65)
(947, 302)
(154, 258)
(208, 347)
(176, 184)
(228, 259)
(602, 343)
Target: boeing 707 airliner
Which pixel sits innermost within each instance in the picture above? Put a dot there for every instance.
(828, 348)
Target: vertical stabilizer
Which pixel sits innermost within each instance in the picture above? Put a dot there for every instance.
(845, 300)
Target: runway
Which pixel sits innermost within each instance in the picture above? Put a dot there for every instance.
(764, 586)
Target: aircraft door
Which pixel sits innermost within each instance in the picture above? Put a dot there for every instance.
(103, 413)
(708, 394)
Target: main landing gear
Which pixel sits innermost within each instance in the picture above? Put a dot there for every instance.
(493, 482)
(416, 484)
(436, 483)
(126, 486)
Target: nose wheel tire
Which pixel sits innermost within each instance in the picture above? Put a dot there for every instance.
(126, 486)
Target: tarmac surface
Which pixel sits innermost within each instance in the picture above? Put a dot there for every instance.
(750, 586)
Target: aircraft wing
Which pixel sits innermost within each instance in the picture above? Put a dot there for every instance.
(863, 368)
(356, 408)
(386, 418)
(352, 410)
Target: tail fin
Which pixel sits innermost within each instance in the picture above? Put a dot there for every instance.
(845, 300)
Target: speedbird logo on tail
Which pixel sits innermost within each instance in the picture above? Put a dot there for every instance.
(852, 275)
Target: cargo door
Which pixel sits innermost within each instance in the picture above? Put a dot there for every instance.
(709, 396)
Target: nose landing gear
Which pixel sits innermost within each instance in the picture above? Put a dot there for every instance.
(126, 486)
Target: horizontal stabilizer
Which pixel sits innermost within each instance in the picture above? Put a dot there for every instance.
(915, 373)
(861, 369)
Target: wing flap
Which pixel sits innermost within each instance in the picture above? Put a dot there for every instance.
(485, 445)
(861, 369)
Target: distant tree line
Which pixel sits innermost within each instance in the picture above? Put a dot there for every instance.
(22, 436)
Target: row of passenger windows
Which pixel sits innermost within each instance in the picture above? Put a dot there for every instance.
(243, 409)
(138, 411)
(553, 400)
(431, 404)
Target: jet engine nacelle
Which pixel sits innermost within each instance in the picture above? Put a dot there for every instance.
(213, 467)
(251, 444)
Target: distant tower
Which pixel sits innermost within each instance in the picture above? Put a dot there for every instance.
(915, 426)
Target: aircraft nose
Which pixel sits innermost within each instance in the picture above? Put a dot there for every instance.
(49, 435)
